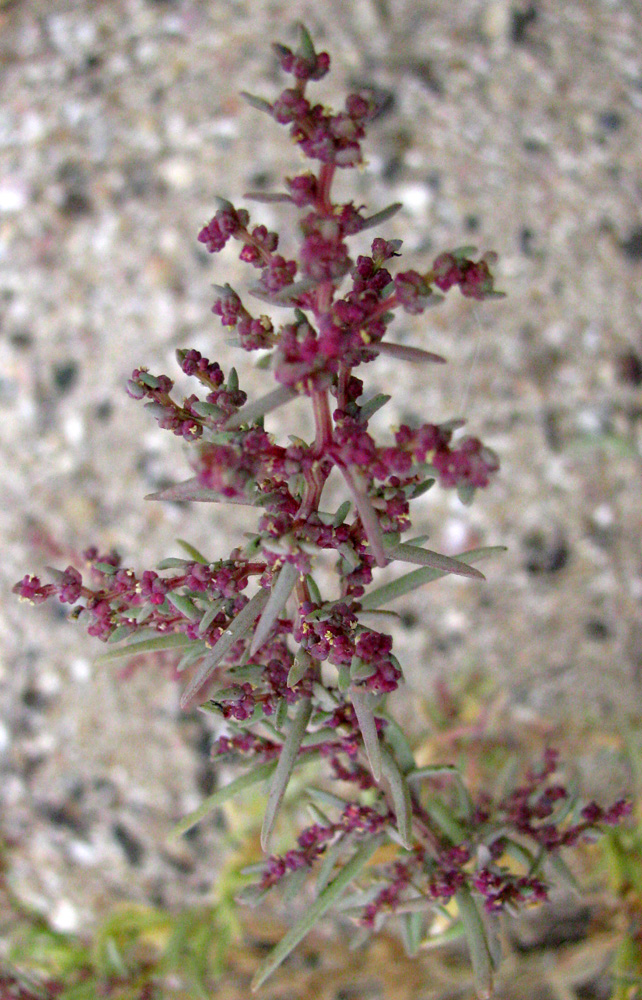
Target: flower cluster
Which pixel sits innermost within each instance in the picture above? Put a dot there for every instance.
(489, 836)
(292, 674)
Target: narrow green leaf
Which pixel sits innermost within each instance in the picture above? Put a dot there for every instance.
(259, 103)
(330, 859)
(278, 597)
(468, 250)
(561, 870)
(416, 490)
(142, 613)
(327, 798)
(192, 654)
(360, 669)
(299, 668)
(104, 567)
(251, 412)
(441, 770)
(314, 913)
(442, 816)
(287, 296)
(400, 797)
(191, 490)
(411, 581)
(418, 540)
(172, 563)
(403, 352)
(353, 903)
(121, 632)
(252, 672)
(210, 615)
(306, 45)
(256, 868)
(281, 714)
(349, 554)
(324, 696)
(466, 494)
(267, 198)
(382, 216)
(315, 593)
(450, 934)
(367, 513)
(412, 928)
(202, 409)
(294, 883)
(318, 815)
(436, 560)
(285, 766)
(342, 512)
(326, 735)
(343, 680)
(238, 629)
(432, 771)
(221, 795)
(370, 407)
(250, 895)
(363, 704)
(477, 941)
(193, 552)
(401, 748)
(185, 605)
(170, 640)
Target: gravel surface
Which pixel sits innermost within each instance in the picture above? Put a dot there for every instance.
(515, 126)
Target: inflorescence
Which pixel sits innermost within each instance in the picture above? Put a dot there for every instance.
(293, 674)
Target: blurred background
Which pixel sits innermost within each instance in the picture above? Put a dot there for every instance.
(514, 126)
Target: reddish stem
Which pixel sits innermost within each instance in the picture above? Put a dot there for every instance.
(326, 175)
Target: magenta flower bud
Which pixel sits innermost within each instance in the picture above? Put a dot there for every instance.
(70, 586)
(290, 106)
(212, 236)
(31, 589)
(303, 189)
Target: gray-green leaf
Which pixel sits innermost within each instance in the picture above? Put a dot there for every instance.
(382, 216)
(193, 552)
(436, 560)
(251, 412)
(367, 513)
(406, 353)
(192, 490)
(299, 668)
(285, 766)
(400, 797)
(220, 796)
(314, 913)
(185, 605)
(411, 581)
(370, 407)
(170, 640)
(281, 590)
(477, 940)
(259, 103)
(362, 702)
(237, 630)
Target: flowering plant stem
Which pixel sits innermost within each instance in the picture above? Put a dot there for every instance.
(293, 674)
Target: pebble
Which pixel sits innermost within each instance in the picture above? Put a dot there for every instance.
(13, 196)
(64, 917)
